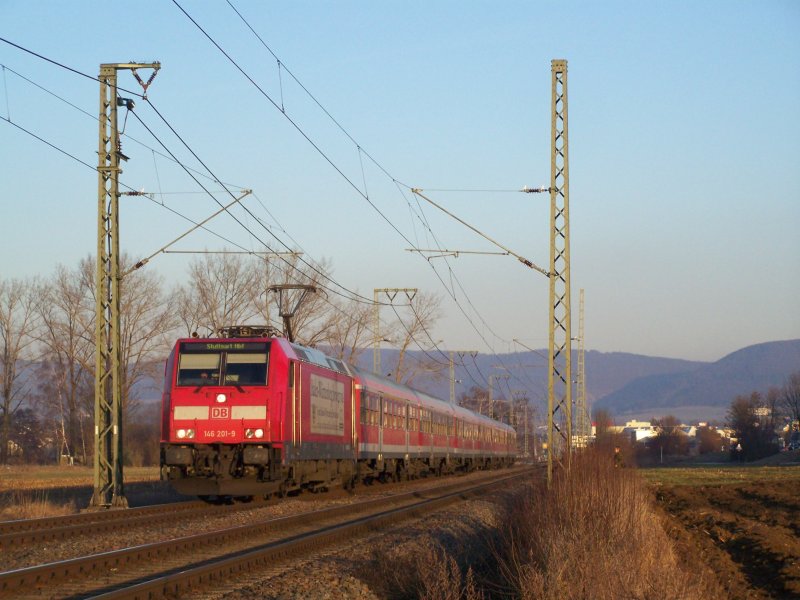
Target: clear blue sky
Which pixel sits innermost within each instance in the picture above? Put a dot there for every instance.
(684, 130)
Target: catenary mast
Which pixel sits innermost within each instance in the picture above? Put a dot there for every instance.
(559, 379)
(108, 483)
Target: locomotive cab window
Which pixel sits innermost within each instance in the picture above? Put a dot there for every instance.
(223, 363)
(199, 369)
(246, 369)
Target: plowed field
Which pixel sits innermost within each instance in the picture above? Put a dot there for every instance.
(746, 534)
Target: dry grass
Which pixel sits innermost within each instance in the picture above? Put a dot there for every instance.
(593, 533)
(30, 477)
(33, 505)
(427, 573)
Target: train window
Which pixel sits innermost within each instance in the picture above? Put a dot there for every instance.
(199, 369)
(246, 369)
(223, 363)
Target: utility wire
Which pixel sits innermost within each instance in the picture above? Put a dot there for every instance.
(350, 137)
(291, 121)
(63, 66)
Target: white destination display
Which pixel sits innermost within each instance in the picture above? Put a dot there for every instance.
(327, 406)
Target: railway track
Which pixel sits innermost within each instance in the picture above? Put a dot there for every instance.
(175, 566)
(15, 534)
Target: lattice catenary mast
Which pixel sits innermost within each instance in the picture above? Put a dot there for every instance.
(559, 379)
(583, 410)
(108, 484)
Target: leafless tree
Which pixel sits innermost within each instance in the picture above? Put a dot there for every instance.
(603, 421)
(349, 335)
(476, 399)
(425, 312)
(219, 292)
(67, 336)
(316, 318)
(225, 289)
(18, 301)
(147, 329)
(791, 396)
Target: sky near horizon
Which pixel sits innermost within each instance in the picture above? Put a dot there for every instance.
(684, 149)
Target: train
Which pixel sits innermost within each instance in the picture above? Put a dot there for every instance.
(250, 413)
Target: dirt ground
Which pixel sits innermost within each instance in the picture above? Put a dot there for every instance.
(746, 535)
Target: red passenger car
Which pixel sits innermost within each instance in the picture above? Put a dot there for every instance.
(248, 414)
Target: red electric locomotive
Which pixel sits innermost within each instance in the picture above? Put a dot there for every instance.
(250, 414)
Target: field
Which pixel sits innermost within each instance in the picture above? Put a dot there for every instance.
(741, 523)
(39, 491)
(34, 478)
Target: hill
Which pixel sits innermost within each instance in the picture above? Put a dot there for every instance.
(708, 387)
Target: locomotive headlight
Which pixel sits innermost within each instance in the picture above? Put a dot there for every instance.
(190, 433)
(221, 398)
(248, 433)
(259, 433)
(181, 433)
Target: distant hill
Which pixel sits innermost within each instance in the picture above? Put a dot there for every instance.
(710, 385)
(606, 372)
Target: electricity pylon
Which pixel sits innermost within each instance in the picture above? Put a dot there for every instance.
(559, 379)
(108, 484)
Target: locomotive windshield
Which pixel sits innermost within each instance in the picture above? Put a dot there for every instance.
(223, 363)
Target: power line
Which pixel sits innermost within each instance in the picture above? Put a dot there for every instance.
(294, 123)
(300, 130)
(63, 66)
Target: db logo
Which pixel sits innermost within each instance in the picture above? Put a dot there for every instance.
(220, 412)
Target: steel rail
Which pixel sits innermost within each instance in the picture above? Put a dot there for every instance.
(50, 574)
(85, 517)
(179, 583)
(30, 531)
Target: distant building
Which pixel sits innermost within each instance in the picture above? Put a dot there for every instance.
(639, 430)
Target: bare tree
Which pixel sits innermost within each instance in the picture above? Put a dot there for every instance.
(17, 335)
(603, 421)
(425, 312)
(147, 328)
(791, 397)
(225, 289)
(316, 318)
(476, 399)
(349, 335)
(749, 417)
(220, 292)
(67, 335)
